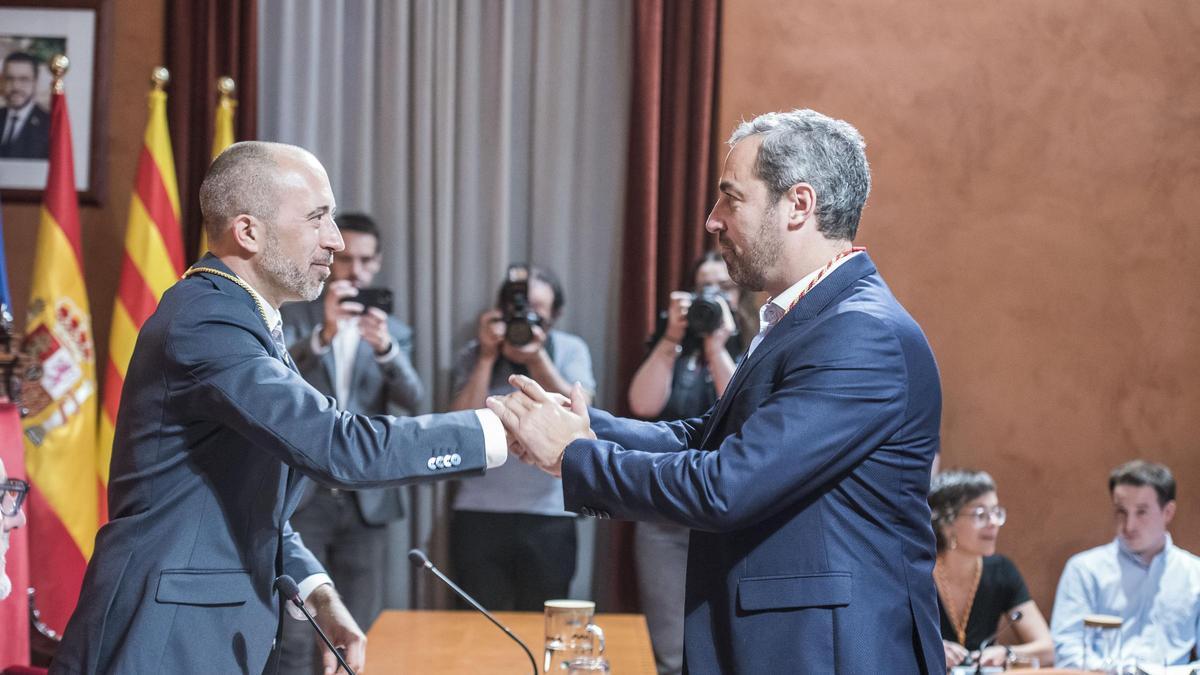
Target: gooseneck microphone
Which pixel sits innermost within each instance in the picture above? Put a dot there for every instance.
(1009, 619)
(418, 558)
(287, 588)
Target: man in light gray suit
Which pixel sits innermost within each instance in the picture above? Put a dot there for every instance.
(362, 357)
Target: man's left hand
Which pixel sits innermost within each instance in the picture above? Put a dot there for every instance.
(373, 326)
(539, 422)
(343, 631)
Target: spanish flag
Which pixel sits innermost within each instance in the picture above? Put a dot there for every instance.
(60, 429)
(153, 261)
(222, 135)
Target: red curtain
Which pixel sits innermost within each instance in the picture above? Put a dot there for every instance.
(669, 191)
(671, 161)
(207, 39)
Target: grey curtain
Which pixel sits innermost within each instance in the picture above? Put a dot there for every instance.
(477, 133)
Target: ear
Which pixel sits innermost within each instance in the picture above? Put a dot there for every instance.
(801, 203)
(1168, 512)
(248, 233)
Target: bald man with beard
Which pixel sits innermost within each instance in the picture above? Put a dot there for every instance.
(216, 434)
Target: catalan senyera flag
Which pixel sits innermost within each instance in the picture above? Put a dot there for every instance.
(153, 261)
(60, 429)
(222, 138)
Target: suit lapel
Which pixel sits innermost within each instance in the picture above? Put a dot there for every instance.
(809, 306)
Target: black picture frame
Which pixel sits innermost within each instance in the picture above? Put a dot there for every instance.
(37, 26)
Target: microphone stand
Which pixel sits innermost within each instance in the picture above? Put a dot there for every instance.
(418, 558)
(288, 588)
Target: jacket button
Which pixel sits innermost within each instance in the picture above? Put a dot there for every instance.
(432, 463)
(440, 461)
(455, 459)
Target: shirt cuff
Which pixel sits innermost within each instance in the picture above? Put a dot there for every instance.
(307, 586)
(495, 439)
(315, 342)
(390, 355)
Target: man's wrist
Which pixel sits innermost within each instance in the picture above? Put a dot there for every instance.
(388, 352)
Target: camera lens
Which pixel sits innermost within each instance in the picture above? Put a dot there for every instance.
(518, 333)
(705, 314)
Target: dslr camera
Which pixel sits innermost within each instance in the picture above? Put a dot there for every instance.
(519, 317)
(705, 314)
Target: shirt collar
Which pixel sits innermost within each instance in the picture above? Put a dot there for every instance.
(1137, 559)
(770, 313)
(274, 318)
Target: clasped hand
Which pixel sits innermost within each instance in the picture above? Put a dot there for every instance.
(542, 424)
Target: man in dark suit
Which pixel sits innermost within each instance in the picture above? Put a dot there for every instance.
(804, 486)
(215, 434)
(24, 125)
(362, 357)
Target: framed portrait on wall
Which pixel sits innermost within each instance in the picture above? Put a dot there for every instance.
(31, 32)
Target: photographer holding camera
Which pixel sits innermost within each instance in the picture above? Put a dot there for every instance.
(691, 360)
(511, 540)
(346, 345)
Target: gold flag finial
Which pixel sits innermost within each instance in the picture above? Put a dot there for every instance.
(159, 77)
(226, 86)
(59, 65)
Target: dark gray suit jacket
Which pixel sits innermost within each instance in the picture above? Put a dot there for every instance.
(373, 388)
(34, 140)
(213, 435)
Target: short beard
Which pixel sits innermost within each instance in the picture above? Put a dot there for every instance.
(283, 273)
(749, 269)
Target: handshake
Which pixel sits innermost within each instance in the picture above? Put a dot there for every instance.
(541, 424)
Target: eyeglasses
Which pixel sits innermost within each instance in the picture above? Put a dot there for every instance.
(12, 495)
(981, 515)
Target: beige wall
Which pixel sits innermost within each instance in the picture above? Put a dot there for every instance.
(137, 47)
(1036, 169)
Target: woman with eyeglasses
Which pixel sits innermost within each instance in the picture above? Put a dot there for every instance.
(976, 586)
(12, 493)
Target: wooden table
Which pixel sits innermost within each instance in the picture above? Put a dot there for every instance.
(450, 642)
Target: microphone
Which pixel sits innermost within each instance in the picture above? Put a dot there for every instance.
(419, 560)
(288, 589)
(1009, 619)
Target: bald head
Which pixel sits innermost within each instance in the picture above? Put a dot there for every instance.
(246, 179)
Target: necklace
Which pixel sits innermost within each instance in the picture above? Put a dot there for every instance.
(944, 588)
(824, 270)
(237, 280)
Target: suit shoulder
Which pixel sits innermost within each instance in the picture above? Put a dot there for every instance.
(194, 303)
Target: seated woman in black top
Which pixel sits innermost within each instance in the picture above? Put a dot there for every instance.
(976, 587)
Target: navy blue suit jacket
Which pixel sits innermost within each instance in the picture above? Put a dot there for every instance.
(213, 435)
(805, 487)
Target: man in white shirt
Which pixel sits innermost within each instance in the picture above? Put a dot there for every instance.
(1141, 577)
(362, 357)
(24, 125)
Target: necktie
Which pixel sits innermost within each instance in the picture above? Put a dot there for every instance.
(10, 126)
(277, 338)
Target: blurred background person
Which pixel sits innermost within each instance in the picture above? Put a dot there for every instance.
(1141, 576)
(25, 130)
(12, 494)
(346, 344)
(976, 586)
(682, 377)
(511, 541)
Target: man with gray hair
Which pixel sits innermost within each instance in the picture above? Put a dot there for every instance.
(215, 433)
(811, 548)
